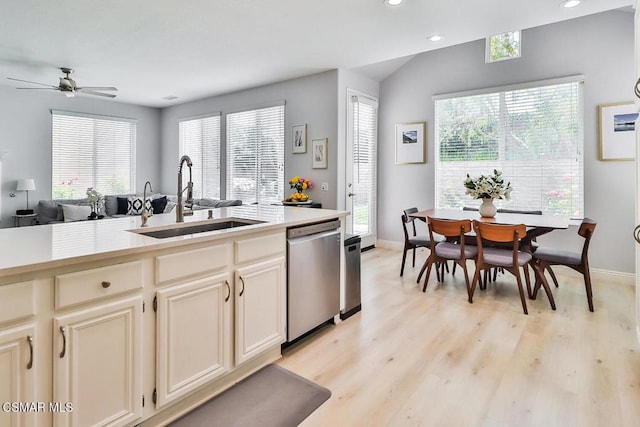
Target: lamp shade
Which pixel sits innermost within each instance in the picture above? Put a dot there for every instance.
(26, 184)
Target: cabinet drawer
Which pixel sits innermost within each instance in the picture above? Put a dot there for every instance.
(17, 301)
(260, 247)
(190, 263)
(88, 285)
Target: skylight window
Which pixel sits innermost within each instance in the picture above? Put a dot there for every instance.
(503, 46)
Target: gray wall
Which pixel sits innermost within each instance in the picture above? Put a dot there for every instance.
(598, 46)
(311, 100)
(25, 126)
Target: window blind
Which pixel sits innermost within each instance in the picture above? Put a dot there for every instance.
(534, 135)
(255, 155)
(200, 140)
(365, 114)
(91, 151)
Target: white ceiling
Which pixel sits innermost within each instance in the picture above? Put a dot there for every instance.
(192, 49)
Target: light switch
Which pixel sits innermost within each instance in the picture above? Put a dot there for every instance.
(324, 186)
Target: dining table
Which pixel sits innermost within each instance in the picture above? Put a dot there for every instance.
(536, 224)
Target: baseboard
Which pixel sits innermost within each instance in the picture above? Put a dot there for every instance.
(619, 274)
(389, 244)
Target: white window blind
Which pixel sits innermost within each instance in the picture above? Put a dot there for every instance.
(255, 155)
(534, 135)
(200, 140)
(365, 115)
(91, 151)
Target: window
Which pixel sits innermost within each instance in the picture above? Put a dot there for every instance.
(503, 46)
(255, 155)
(91, 151)
(533, 134)
(200, 140)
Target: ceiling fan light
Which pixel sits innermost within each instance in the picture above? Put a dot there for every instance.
(393, 2)
(69, 94)
(567, 4)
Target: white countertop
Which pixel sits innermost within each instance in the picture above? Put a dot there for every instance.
(40, 247)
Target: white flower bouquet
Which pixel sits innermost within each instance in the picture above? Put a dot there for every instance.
(488, 187)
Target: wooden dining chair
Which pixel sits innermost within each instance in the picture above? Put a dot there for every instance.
(510, 259)
(441, 252)
(412, 240)
(545, 257)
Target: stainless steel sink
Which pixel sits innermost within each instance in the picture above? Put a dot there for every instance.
(197, 228)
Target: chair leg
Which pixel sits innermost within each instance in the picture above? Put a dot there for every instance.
(404, 257)
(422, 270)
(541, 280)
(453, 271)
(463, 264)
(516, 272)
(426, 279)
(446, 266)
(476, 277)
(587, 285)
(553, 275)
(414, 258)
(527, 280)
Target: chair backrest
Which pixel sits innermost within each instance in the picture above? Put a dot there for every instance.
(499, 232)
(519, 211)
(406, 219)
(449, 227)
(469, 208)
(586, 230)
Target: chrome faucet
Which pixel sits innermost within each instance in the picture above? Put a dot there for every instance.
(180, 213)
(145, 213)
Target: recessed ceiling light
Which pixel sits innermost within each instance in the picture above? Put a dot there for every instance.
(436, 38)
(570, 3)
(170, 97)
(393, 2)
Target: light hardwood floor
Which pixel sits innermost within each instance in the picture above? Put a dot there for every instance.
(432, 359)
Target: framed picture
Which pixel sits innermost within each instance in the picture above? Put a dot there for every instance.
(299, 138)
(617, 131)
(411, 143)
(319, 151)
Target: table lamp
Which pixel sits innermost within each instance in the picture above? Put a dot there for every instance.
(26, 185)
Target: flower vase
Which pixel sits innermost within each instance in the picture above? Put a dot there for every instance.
(487, 208)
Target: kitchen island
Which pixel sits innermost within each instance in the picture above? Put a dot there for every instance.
(103, 325)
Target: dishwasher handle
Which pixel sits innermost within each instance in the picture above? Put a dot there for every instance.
(303, 239)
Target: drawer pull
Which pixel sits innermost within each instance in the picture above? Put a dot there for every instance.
(106, 284)
(30, 341)
(63, 331)
(226, 282)
(242, 291)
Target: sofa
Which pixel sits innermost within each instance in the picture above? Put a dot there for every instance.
(119, 205)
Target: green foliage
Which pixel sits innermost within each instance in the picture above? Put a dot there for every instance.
(506, 45)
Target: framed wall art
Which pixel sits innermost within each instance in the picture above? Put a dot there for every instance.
(319, 151)
(411, 143)
(617, 131)
(299, 138)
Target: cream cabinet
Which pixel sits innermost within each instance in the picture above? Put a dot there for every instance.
(193, 335)
(97, 364)
(260, 308)
(17, 375)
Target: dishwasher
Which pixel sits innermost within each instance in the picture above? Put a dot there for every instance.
(313, 276)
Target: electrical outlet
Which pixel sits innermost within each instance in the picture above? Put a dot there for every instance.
(324, 186)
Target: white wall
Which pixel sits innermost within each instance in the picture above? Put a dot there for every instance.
(310, 100)
(25, 126)
(598, 46)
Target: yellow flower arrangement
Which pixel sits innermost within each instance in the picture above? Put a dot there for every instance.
(300, 185)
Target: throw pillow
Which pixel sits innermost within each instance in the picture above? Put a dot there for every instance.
(75, 213)
(159, 204)
(134, 205)
(122, 206)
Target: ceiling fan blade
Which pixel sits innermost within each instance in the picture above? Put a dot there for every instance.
(39, 88)
(90, 92)
(35, 83)
(96, 88)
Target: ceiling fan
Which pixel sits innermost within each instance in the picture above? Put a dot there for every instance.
(68, 86)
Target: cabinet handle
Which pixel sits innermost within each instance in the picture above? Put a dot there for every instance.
(226, 282)
(30, 342)
(106, 284)
(242, 291)
(636, 234)
(63, 330)
(636, 88)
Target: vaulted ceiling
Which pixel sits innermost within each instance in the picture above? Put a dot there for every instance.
(152, 49)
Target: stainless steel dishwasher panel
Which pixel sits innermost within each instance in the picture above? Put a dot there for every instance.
(313, 285)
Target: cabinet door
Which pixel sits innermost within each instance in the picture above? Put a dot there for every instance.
(97, 364)
(193, 335)
(260, 308)
(17, 375)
